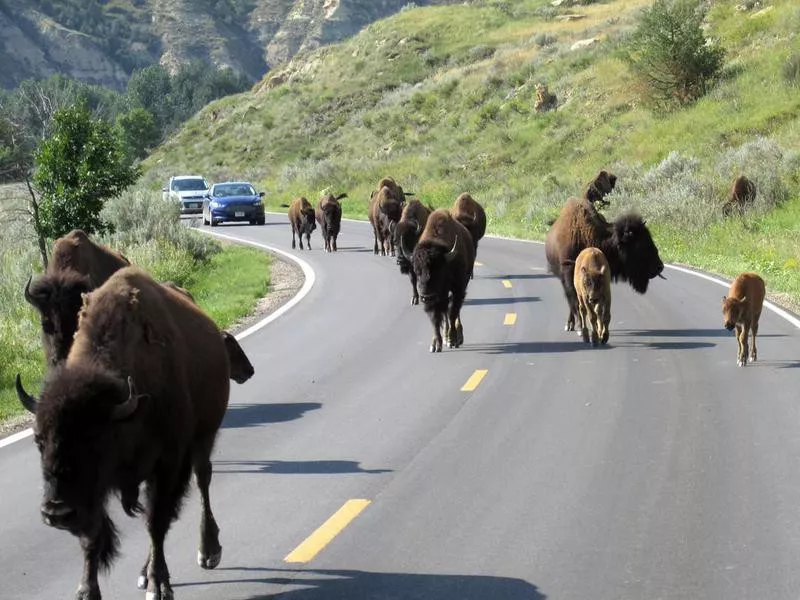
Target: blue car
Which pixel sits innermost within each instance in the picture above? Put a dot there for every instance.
(233, 201)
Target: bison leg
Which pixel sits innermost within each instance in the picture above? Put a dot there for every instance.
(753, 349)
(436, 315)
(375, 245)
(334, 243)
(414, 293)
(308, 241)
(210, 553)
(98, 551)
(455, 334)
(572, 297)
(582, 318)
(741, 338)
(605, 321)
(293, 243)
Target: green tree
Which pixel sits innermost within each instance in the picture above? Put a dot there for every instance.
(670, 55)
(138, 132)
(78, 168)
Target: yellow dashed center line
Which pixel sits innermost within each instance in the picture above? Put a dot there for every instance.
(510, 319)
(314, 543)
(474, 380)
(478, 264)
(506, 284)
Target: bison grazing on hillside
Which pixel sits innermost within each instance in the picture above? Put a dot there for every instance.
(442, 262)
(626, 243)
(741, 310)
(593, 286)
(385, 208)
(409, 228)
(302, 219)
(472, 216)
(329, 217)
(139, 399)
(741, 196)
(599, 187)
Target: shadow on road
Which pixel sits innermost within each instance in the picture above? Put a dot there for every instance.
(495, 301)
(353, 249)
(250, 415)
(292, 467)
(330, 584)
(717, 332)
(574, 345)
(522, 276)
(666, 345)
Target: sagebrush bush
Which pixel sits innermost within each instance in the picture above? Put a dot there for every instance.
(791, 69)
(762, 161)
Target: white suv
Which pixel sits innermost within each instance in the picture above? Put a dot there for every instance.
(189, 190)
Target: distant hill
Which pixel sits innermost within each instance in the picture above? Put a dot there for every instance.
(102, 42)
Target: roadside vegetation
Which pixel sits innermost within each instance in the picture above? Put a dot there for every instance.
(226, 284)
(445, 100)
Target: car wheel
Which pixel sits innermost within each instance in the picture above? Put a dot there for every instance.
(214, 223)
(262, 221)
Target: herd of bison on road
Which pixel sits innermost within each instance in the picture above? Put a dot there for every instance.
(126, 401)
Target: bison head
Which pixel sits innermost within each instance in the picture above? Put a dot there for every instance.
(594, 283)
(429, 262)
(636, 252)
(241, 367)
(733, 311)
(77, 431)
(58, 298)
(332, 217)
(406, 237)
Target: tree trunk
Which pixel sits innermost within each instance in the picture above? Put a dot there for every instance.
(37, 226)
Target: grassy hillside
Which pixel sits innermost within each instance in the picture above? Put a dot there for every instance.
(443, 99)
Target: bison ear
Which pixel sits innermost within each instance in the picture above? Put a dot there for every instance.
(583, 269)
(724, 298)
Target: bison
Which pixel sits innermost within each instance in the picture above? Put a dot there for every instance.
(592, 282)
(77, 266)
(409, 228)
(741, 196)
(385, 208)
(329, 217)
(302, 219)
(626, 243)
(472, 216)
(599, 187)
(139, 399)
(741, 310)
(442, 262)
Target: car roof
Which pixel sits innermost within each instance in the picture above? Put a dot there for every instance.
(234, 183)
(188, 177)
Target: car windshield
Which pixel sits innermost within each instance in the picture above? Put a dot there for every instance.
(234, 189)
(189, 185)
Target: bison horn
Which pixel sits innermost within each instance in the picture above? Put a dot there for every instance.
(28, 401)
(419, 228)
(28, 296)
(661, 276)
(403, 248)
(127, 408)
(452, 253)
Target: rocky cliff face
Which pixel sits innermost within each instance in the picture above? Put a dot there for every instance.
(103, 43)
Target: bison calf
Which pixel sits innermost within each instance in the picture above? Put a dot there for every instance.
(741, 309)
(592, 281)
(303, 220)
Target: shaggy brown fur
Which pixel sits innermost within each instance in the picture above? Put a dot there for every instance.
(329, 217)
(626, 244)
(741, 310)
(599, 187)
(139, 399)
(302, 219)
(471, 215)
(740, 198)
(385, 207)
(409, 228)
(77, 252)
(593, 285)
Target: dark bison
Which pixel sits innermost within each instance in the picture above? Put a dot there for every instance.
(626, 244)
(385, 208)
(741, 196)
(78, 265)
(139, 399)
(472, 216)
(301, 217)
(329, 217)
(599, 187)
(442, 262)
(409, 228)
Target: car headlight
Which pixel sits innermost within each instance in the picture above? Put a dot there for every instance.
(214, 204)
(257, 202)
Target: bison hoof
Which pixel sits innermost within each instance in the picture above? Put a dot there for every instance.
(164, 592)
(414, 300)
(604, 339)
(211, 561)
(741, 363)
(88, 593)
(141, 583)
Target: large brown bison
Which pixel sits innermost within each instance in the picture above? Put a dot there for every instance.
(442, 262)
(409, 228)
(302, 220)
(139, 399)
(385, 208)
(626, 243)
(599, 187)
(741, 310)
(741, 196)
(79, 265)
(472, 216)
(329, 217)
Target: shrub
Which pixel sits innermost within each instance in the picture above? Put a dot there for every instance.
(669, 53)
(791, 69)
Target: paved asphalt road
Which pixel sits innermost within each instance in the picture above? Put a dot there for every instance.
(653, 468)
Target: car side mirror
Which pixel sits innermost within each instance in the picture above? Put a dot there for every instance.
(164, 189)
(260, 194)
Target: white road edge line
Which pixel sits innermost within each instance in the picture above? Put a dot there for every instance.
(310, 278)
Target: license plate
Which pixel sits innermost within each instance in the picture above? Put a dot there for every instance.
(238, 214)
(194, 205)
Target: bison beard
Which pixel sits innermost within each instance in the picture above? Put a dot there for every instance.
(98, 433)
(407, 233)
(626, 243)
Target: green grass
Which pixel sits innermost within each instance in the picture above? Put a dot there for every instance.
(227, 288)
